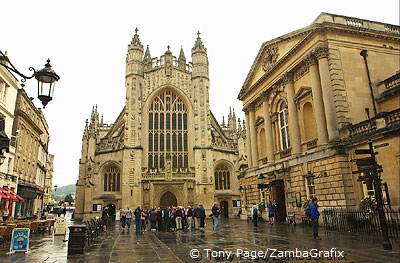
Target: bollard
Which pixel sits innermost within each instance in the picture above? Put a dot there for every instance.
(77, 239)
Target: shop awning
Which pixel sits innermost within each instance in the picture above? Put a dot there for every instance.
(19, 198)
(10, 194)
(3, 196)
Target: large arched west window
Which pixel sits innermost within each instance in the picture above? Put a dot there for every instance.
(112, 179)
(168, 131)
(222, 177)
(283, 125)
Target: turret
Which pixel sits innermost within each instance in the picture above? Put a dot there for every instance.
(147, 59)
(199, 59)
(134, 58)
(182, 60)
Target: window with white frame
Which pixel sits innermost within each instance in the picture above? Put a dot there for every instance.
(283, 125)
(310, 187)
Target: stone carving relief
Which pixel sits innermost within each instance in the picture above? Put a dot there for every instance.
(270, 58)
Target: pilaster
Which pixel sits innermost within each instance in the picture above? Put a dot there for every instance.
(268, 132)
(294, 127)
(318, 103)
(322, 52)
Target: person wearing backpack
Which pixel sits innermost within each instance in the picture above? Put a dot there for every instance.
(314, 216)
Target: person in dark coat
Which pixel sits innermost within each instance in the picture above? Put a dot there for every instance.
(159, 219)
(202, 215)
(196, 216)
(138, 221)
(153, 219)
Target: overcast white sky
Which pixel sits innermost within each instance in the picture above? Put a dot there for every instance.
(87, 43)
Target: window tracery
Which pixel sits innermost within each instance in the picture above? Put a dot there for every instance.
(222, 178)
(168, 135)
(112, 179)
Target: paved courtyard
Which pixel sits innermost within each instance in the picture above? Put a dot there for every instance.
(123, 246)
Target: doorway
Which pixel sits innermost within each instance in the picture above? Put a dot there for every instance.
(278, 194)
(111, 211)
(224, 209)
(168, 199)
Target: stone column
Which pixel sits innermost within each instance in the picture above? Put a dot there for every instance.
(322, 53)
(253, 137)
(318, 103)
(294, 128)
(268, 132)
(248, 140)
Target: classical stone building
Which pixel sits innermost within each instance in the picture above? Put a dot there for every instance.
(31, 133)
(305, 99)
(165, 148)
(8, 94)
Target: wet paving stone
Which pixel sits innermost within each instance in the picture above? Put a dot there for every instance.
(130, 247)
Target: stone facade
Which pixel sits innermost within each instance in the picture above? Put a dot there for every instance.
(305, 98)
(8, 94)
(31, 134)
(165, 148)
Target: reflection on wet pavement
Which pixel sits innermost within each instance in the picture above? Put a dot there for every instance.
(123, 246)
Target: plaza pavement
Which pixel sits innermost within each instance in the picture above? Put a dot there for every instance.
(129, 247)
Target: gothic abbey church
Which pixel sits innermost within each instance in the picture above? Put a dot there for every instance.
(165, 148)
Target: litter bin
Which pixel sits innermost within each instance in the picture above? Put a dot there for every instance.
(77, 239)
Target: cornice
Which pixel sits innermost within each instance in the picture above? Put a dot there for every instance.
(320, 51)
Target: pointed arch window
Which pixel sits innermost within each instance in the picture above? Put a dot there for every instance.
(112, 179)
(168, 131)
(222, 178)
(283, 125)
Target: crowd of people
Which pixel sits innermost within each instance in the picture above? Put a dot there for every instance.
(193, 218)
(168, 219)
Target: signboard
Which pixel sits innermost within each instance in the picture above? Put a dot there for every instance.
(20, 240)
(60, 226)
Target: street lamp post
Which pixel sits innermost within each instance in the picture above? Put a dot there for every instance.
(46, 78)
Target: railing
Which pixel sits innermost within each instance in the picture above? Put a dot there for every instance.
(312, 144)
(393, 118)
(285, 153)
(359, 221)
(392, 28)
(165, 176)
(354, 22)
(363, 128)
(393, 81)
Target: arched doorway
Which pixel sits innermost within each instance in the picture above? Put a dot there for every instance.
(111, 211)
(224, 209)
(168, 199)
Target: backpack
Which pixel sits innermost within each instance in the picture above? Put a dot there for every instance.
(308, 211)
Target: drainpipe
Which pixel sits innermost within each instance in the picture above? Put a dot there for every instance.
(364, 54)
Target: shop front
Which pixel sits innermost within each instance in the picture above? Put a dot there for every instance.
(7, 201)
(25, 209)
